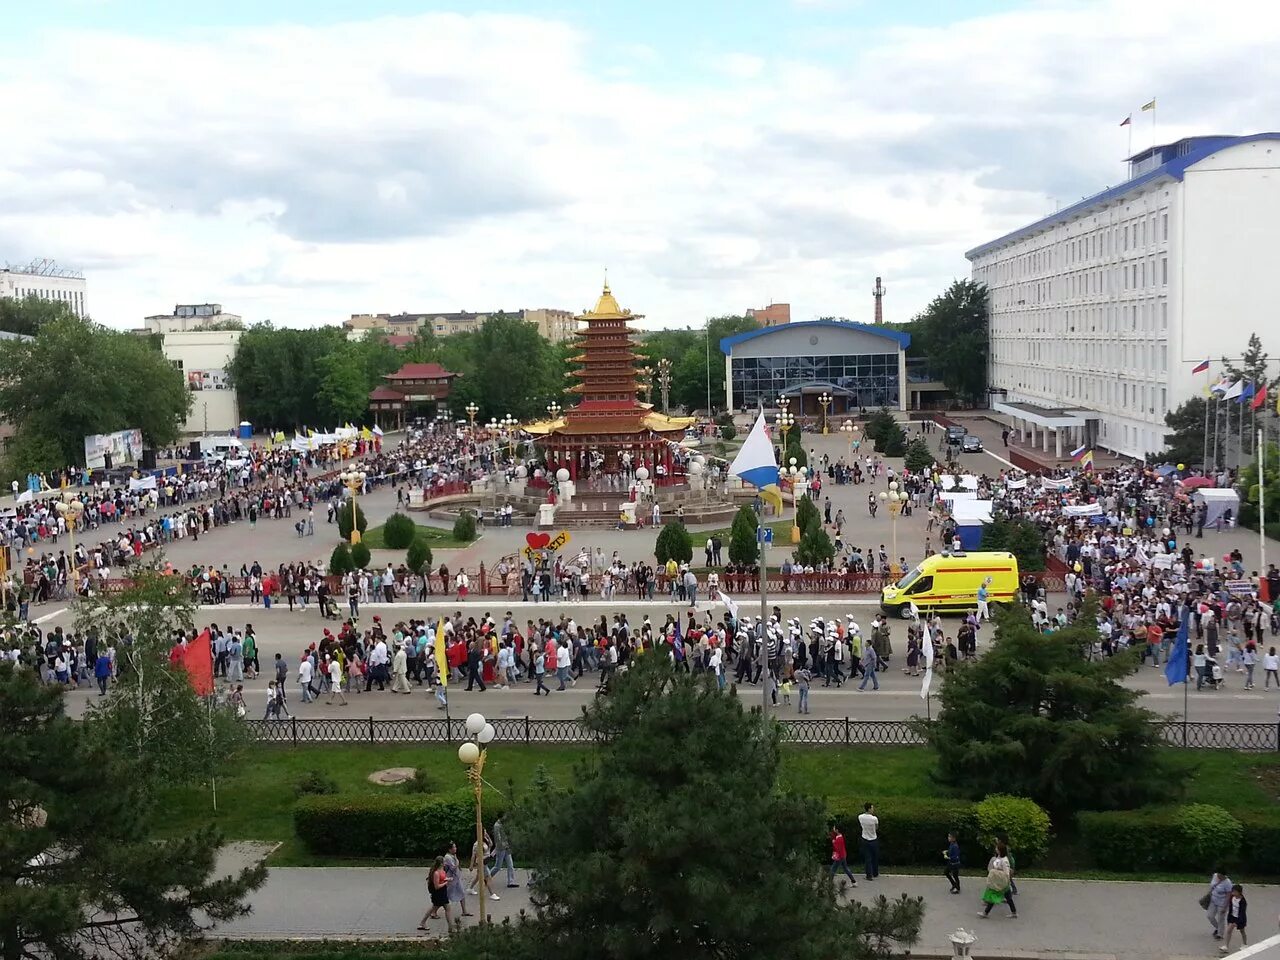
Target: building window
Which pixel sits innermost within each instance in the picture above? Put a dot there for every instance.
(1164, 226)
(1164, 271)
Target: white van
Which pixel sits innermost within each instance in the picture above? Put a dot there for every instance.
(223, 448)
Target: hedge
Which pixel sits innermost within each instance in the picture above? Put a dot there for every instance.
(393, 826)
(913, 832)
(1157, 838)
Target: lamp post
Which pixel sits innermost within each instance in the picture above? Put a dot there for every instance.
(71, 510)
(664, 383)
(894, 499)
(354, 479)
(797, 476)
(784, 421)
(824, 400)
(472, 410)
(850, 430)
(493, 426)
(646, 382)
(509, 424)
(472, 753)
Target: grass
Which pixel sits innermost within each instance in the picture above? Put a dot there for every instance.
(439, 539)
(256, 798)
(781, 534)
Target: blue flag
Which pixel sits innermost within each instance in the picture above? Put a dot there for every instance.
(1176, 668)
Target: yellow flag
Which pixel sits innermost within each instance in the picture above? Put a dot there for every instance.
(442, 664)
(1150, 104)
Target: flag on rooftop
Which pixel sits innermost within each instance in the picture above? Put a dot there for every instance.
(1150, 104)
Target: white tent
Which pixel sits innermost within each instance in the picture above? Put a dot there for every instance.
(966, 512)
(1219, 501)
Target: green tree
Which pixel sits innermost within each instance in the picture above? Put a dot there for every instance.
(344, 519)
(815, 547)
(340, 561)
(399, 531)
(1033, 718)
(75, 378)
(418, 557)
(1185, 444)
(676, 750)
(795, 451)
(879, 424)
(807, 514)
(952, 333)
(743, 547)
(277, 373)
(674, 543)
(464, 528)
(1252, 368)
(84, 873)
(1270, 497)
(172, 735)
(485, 359)
(29, 315)
(699, 364)
(1022, 538)
(918, 457)
(360, 556)
(343, 393)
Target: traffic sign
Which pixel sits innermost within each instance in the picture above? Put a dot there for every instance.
(764, 534)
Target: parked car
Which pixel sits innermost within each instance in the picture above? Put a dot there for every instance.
(971, 443)
(956, 434)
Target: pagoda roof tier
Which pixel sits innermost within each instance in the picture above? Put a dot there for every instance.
(646, 422)
(607, 308)
(601, 357)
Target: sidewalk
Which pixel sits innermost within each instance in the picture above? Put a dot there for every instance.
(1061, 919)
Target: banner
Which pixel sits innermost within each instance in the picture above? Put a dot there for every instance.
(142, 483)
(730, 604)
(123, 447)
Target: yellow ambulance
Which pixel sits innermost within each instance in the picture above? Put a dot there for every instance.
(949, 582)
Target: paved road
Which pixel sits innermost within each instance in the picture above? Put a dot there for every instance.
(1127, 921)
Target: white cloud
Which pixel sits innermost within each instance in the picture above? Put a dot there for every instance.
(448, 161)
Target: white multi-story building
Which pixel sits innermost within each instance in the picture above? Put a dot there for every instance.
(1100, 312)
(44, 278)
(187, 317)
(203, 357)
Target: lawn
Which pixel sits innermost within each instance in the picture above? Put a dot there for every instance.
(437, 538)
(255, 801)
(781, 534)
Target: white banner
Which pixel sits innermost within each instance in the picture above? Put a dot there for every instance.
(142, 483)
(928, 664)
(1016, 484)
(729, 604)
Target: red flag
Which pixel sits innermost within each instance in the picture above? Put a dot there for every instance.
(1259, 398)
(197, 660)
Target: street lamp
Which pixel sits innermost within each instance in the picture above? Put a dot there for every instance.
(72, 510)
(797, 476)
(824, 399)
(664, 383)
(354, 479)
(894, 499)
(646, 382)
(784, 420)
(553, 410)
(472, 410)
(509, 424)
(850, 430)
(472, 754)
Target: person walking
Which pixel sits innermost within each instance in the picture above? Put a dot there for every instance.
(870, 664)
(803, 679)
(840, 856)
(999, 879)
(456, 887)
(438, 891)
(1271, 665)
(539, 673)
(1218, 896)
(335, 681)
(952, 857)
(870, 825)
(1237, 918)
(502, 853)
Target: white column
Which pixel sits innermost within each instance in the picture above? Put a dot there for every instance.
(1044, 436)
(902, 379)
(1057, 437)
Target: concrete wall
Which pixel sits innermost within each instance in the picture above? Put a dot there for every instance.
(798, 340)
(203, 356)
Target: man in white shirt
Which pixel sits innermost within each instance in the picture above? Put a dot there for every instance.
(870, 825)
(304, 679)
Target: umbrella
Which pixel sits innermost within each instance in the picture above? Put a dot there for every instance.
(1195, 483)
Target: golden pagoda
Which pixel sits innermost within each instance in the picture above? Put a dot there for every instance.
(608, 424)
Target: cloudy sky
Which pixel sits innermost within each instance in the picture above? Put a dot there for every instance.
(302, 160)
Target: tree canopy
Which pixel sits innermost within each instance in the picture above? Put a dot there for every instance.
(661, 872)
(694, 359)
(28, 315)
(952, 332)
(1034, 718)
(74, 378)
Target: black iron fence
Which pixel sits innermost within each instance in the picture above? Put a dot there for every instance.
(826, 732)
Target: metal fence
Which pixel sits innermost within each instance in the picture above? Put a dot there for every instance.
(826, 732)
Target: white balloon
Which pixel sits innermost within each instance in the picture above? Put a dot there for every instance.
(475, 723)
(642, 473)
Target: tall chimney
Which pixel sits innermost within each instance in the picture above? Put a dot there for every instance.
(878, 293)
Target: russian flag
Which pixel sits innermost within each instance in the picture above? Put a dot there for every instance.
(1201, 367)
(755, 464)
(1078, 452)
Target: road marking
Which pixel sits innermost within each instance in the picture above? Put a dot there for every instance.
(50, 616)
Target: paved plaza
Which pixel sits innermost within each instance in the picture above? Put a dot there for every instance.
(1062, 919)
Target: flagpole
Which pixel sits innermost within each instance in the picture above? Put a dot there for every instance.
(1262, 517)
(764, 620)
(1204, 457)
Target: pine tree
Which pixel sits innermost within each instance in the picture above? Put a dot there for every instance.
(743, 547)
(674, 543)
(83, 873)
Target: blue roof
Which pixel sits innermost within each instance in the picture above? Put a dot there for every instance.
(903, 339)
(1198, 148)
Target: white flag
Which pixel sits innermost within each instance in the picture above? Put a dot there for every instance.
(928, 663)
(729, 604)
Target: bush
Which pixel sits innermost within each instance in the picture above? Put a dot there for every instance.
(815, 547)
(399, 530)
(913, 832)
(392, 826)
(674, 543)
(316, 783)
(420, 783)
(340, 561)
(728, 431)
(360, 555)
(418, 557)
(807, 515)
(878, 425)
(1260, 849)
(918, 456)
(1209, 834)
(1130, 839)
(344, 520)
(743, 547)
(1022, 822)
(464, 528)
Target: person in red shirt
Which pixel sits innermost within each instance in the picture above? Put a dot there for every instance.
(840, 857)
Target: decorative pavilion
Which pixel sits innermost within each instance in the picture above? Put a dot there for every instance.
(608, 429)
(414, 383)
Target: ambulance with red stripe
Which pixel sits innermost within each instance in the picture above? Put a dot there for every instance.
(950, 583)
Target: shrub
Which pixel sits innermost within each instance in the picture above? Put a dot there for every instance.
(1022, 822)
(743, 547)
(420, 783)
(807, 515)
(464, 528)
(391, 826)
(795, 451)
(418, 558)
(360, 555)
(674, 543)
(815, 547)
(340, 560)
(1260, 849)
(913, 832)
(399, 530)
(1208, 833)
(728, 431)
(344, 520)
(892, 442)
(316, 783)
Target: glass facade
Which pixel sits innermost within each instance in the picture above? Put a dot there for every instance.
(871, 377)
